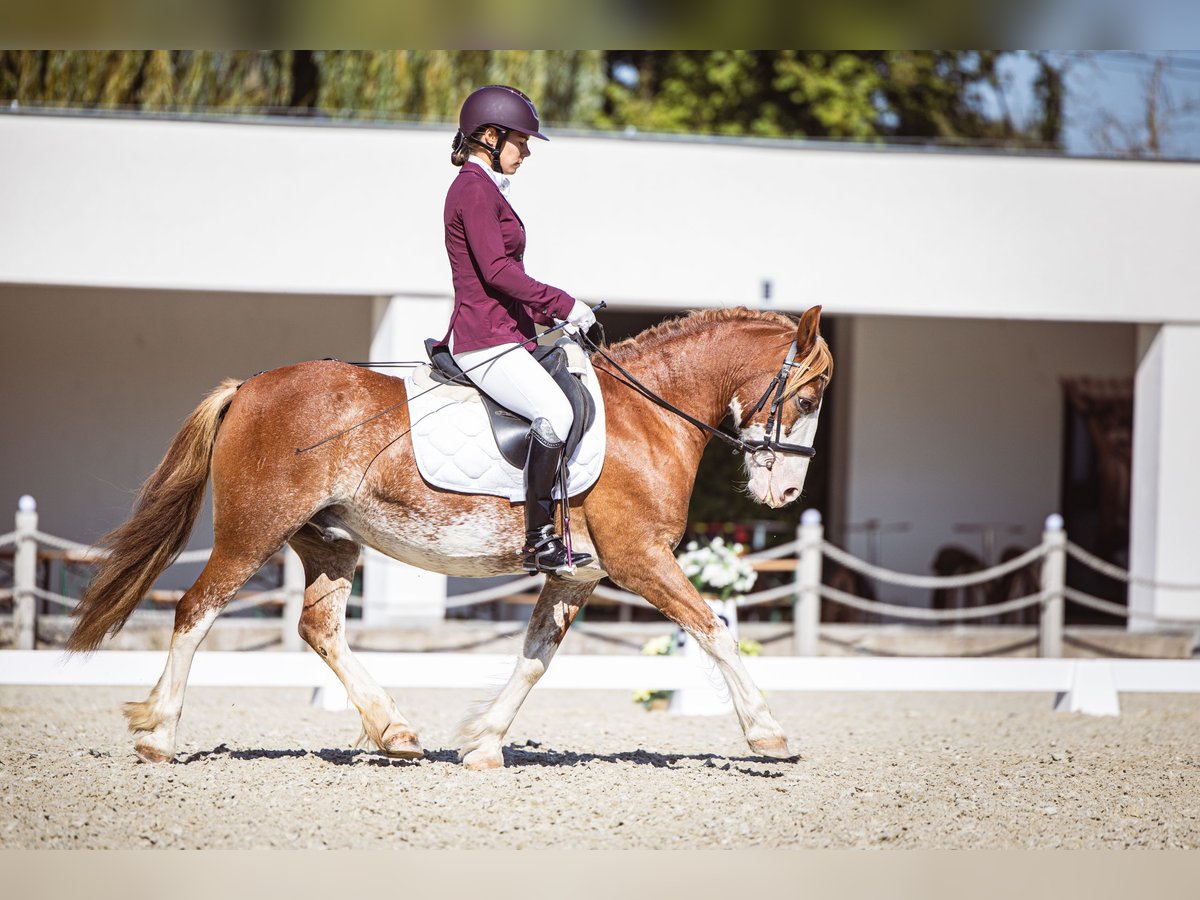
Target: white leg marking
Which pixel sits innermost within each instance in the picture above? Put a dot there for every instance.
(157, 717)
(762, 732)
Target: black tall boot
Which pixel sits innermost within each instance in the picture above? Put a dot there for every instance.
(544, 550)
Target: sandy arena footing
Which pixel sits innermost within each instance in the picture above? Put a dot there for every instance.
(262, 768)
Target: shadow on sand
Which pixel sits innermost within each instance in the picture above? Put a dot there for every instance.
(531, 753)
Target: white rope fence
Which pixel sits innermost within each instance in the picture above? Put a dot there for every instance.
(804, 592)
(499, 592)
(932, 581)
(921, 614)
(1116, 572)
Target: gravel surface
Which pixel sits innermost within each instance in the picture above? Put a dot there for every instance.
(262, 768)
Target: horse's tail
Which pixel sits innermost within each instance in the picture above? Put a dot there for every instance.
(163, 516)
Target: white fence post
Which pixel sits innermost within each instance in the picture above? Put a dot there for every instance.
(25, 576)
(1054, 576)
(806, 611)
(293, 598)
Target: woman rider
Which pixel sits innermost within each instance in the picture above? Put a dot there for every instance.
(496, 304)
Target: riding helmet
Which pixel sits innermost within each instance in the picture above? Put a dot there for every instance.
(504, 108)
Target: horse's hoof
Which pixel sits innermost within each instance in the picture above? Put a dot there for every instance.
(401, 744)
(479, 760)
(151, 754)
(774, 747)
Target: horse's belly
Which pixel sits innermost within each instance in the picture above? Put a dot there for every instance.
(485, 542)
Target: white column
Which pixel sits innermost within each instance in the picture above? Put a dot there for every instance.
(395, 593)
(293, 598)
(1165, 502)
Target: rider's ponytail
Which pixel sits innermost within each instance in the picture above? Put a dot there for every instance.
(460, 152)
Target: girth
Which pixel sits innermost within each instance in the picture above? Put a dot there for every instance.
(511, 430)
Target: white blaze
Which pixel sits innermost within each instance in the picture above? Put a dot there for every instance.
(785, 479)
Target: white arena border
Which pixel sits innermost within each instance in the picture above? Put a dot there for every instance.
(1082, 685)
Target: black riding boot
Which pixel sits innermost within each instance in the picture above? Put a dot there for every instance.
(544, 550)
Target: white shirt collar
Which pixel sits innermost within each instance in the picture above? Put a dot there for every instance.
(501, 181)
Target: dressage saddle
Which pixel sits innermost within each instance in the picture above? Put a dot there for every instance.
(511, 430)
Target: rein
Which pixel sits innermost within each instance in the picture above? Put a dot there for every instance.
(768, 447)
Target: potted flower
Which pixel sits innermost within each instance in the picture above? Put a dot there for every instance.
(659, 646)
(717, 570)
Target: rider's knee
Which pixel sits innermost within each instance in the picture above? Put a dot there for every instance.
(547, 433)
(559, 418)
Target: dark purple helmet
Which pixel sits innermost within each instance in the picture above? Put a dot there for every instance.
(505, 107)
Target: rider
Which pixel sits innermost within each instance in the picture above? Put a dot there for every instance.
(496, 304)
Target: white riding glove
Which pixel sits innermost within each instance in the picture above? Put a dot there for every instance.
(580, 318)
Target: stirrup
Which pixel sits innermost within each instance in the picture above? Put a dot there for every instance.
(545, 552)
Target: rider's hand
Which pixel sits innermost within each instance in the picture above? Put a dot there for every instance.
(581, 315)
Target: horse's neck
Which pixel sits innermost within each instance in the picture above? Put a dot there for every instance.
(698, 373)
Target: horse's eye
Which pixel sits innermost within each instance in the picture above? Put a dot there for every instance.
(805, 406)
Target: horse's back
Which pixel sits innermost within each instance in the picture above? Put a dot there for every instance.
(306, 419)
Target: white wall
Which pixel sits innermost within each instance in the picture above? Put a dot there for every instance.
(353, 210)
(97, 382)
(958, 422)
(1166, 492)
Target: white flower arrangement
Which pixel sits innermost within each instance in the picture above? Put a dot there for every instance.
(717, 568)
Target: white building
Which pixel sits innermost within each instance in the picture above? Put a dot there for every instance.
(141, 260)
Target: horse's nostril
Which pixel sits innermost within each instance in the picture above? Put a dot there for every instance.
(791, 494)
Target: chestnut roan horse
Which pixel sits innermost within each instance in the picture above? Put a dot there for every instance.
(364, 488)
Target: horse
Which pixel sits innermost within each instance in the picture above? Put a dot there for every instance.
(363, 488)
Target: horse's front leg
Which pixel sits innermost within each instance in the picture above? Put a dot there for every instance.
(481, 732)
(658, 578)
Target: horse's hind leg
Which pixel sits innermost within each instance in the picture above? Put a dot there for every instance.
(556, 607)
(154, 720)
(328, 576)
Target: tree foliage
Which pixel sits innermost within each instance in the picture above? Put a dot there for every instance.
(405, 84)
(951, 96)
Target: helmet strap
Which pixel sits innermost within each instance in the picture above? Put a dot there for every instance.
(501, 137)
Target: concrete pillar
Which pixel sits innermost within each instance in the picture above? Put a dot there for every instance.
(395, 593)
(1165, 501)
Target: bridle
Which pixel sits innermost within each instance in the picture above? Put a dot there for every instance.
(763, 451)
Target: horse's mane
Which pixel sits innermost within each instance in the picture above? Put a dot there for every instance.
(691, 323)
(818, 364)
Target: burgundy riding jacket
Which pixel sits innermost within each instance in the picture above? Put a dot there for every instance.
(495, 302)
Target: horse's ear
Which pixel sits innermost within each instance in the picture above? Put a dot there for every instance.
(808, 331)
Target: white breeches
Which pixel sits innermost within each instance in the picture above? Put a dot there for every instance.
(517, 382)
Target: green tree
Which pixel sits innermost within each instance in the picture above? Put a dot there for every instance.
(403, 84)
(878, 95)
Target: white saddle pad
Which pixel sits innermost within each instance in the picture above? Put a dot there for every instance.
(455, 450)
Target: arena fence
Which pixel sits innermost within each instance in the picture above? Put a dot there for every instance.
(803, 557)
(1083, 685)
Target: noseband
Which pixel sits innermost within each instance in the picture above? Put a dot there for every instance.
(762, 452)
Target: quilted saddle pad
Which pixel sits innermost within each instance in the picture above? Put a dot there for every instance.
(452, 440)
